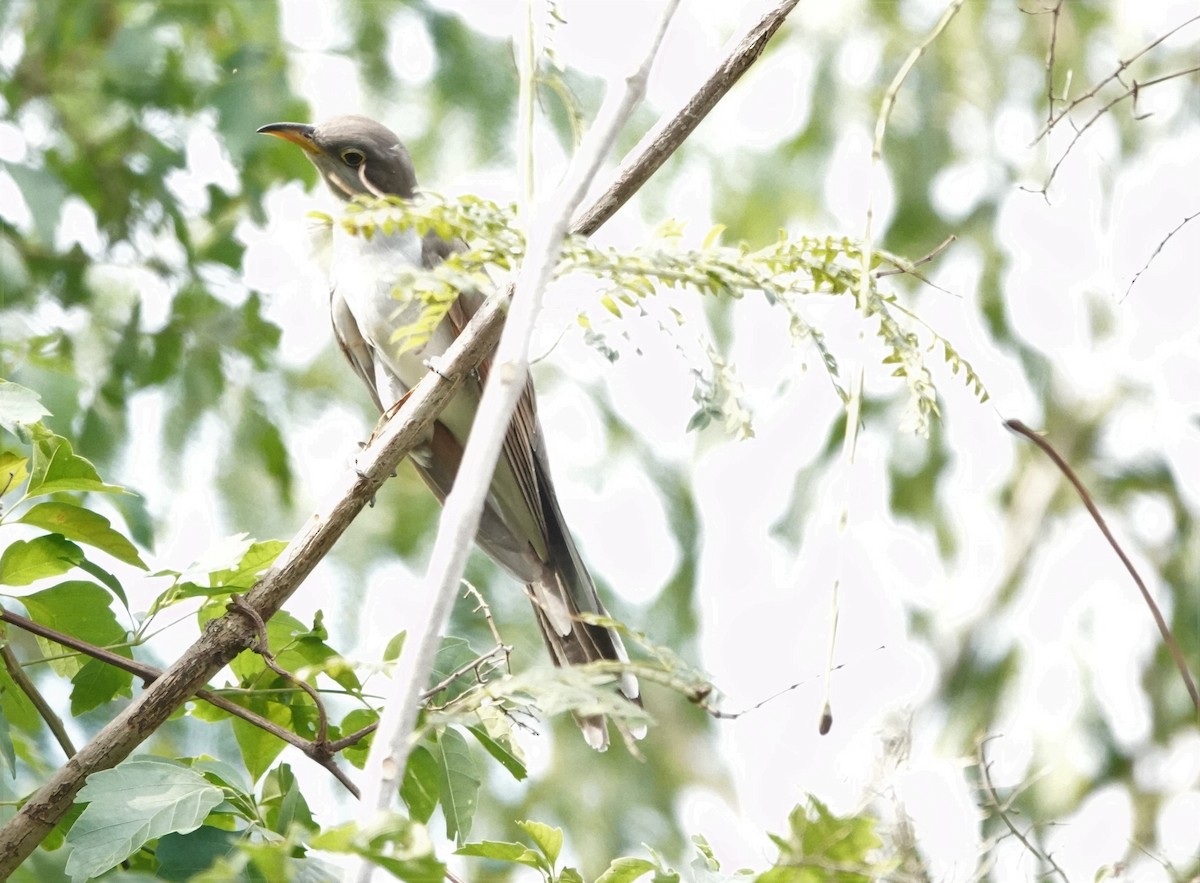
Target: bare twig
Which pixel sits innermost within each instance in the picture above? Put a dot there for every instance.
(1002, 809)
(1131, 92)
(1122, 66)
(1168, 639)
(909, 267)
(1154, 254)
(481, 606)
(15, 671)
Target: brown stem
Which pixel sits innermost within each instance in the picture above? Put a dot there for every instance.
(1169, 639)
(15, 671)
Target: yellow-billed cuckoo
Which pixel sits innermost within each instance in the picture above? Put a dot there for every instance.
(522, 527)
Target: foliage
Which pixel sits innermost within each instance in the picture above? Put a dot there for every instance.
(784, 273)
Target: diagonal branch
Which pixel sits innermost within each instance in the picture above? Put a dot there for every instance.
(1165, 630)
(321, 751)
(228, 635)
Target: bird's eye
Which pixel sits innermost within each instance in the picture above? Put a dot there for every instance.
(353, 157)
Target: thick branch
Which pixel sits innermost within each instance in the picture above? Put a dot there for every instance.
(225, 637)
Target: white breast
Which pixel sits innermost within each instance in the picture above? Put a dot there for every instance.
(368, 274)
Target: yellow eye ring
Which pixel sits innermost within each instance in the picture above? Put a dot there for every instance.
(353, 157)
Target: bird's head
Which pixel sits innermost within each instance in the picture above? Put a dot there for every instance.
(354, 154)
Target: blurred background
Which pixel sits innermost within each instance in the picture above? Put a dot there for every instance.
(155, 289)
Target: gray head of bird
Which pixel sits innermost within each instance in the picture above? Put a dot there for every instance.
(354, 155)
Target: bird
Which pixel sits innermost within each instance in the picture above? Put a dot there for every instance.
(522, 526)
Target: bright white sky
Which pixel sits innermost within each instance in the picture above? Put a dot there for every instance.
(766, 612)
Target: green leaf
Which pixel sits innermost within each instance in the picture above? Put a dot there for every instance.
(422, 784)
(25, 562)
(452, 655)
(256, 559)
(625, 870)
(260, 748)
(354, 721)
(132, 804)
(500, 851)
(548, 840)
(392, 651)
(505, 754)
(105, 578)
(459, 785)
(97, 683)
(56, 467)
(182, 856)
(14, 469)
(7, 749)
(84, 526)
(283, 803)
(19, 405)
(569, 875)
(78, 608)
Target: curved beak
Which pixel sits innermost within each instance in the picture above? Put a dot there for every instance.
(298, 133)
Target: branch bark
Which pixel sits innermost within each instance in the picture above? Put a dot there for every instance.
(227, 636)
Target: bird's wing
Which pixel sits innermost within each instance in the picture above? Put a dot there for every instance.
(352, 344)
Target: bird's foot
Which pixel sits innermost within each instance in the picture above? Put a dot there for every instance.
(433, 363)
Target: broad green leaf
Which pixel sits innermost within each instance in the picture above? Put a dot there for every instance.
(106, 579)
(97, 683)
(625, 870)
(459, 785)
(23, 562)
(283, 803)
(501, 851)
(257, 558)
(18, 405)
(132, 804)
(422, 784)
(569, 875)
(83, 526)
(181, 856)
(356, 720)
(548, 840)
(56, 467)
(78, 608)
(260, 748)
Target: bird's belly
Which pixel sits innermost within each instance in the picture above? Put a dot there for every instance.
(367, 274)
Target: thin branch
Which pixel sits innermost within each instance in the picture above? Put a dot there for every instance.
(505, 385)
(228, 635)
(1156, 251)
(1122, 66)
(1002, 811)
(320, 752)
(1131, 92)
(26, 685)
(263, 649)
(1169, 639)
